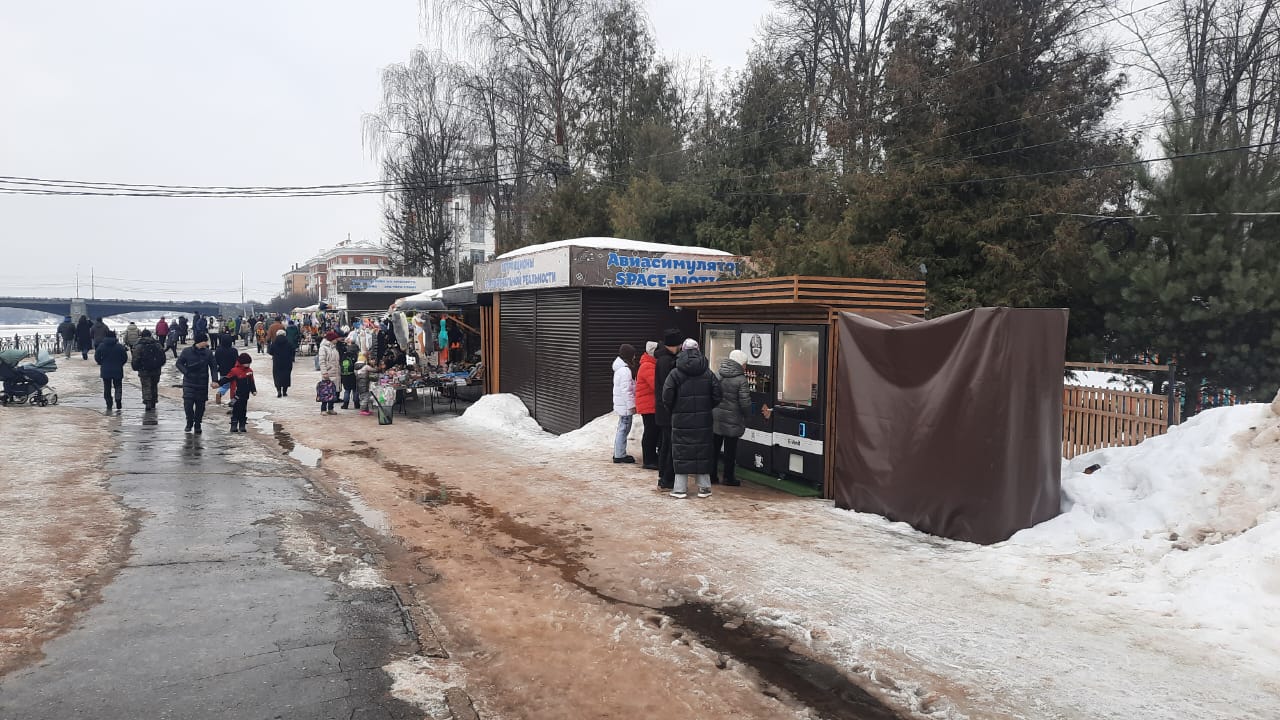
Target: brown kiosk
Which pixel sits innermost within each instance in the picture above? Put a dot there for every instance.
(953, 425)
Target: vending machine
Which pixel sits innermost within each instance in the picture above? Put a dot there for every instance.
(786, 372)
(799, 405)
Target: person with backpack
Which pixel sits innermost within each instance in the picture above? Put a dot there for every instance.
(347, 360)
(148, 359)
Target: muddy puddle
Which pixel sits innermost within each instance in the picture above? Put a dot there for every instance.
(308, 456)
(823, 688)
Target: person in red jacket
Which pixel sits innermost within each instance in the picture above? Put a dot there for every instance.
(646, 406)
(162, 330)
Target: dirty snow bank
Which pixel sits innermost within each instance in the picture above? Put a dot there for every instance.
(1185, 525)
(422, 681)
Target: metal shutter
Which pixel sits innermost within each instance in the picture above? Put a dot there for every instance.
(558, 361)
(516, 343)
(614, 317)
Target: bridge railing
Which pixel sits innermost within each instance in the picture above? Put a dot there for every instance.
(36, 341)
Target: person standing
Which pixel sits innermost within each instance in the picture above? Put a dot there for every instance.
(729, 419)
(67, 333)
(690, 392)
(131, 335)
(198, 371)
(162, 330)
(148, 358)
(347, 360)
(225, 359)
(260, 334)
(624, 401)
(84, 336)
(294, 333)
(327, 356)
(111, 355)
(282, 354)
(182, 329)
(664, 363)
(200, 325)
(242, 386)
(646, 402)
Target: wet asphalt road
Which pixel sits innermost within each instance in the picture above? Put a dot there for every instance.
(205, 619)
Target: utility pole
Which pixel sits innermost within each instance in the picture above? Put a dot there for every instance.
(92, 285)
(77, 282)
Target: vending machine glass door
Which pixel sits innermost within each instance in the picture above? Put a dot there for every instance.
(799, 367)
(720, 342)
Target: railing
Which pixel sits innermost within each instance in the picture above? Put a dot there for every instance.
(1096, 418)
(37, 341)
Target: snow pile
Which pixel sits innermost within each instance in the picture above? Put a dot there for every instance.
(423, 681)
(1185, 526)
(504, 413)
(507, 415)
(1203, 482)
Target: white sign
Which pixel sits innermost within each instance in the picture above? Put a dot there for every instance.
(546, 269)
(384, 284)
(759, 348)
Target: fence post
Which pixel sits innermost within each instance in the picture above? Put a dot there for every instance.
(1172, 410)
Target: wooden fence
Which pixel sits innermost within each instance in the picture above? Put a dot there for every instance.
(1095, 418)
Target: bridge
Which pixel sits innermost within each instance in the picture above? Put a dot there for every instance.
(96, 308)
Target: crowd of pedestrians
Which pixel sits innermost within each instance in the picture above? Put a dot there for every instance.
(692, 415)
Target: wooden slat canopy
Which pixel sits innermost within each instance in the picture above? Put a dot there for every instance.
(828, 293)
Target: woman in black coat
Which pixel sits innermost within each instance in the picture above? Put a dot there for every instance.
(84, 336)
(282, 353)
(690, 393)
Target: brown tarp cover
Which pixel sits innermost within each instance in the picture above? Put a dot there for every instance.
(953, 425)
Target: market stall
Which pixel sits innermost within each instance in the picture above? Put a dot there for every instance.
(952, 425)
(552, 317)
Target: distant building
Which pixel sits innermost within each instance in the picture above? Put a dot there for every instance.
(351, 258)
(295, 281)
(473, 221)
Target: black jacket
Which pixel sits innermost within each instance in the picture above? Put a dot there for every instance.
(690, 393)
(67, 330)
(84, 333)
(225, 356)
(282, 353)
(731, 414)
(198, 370)
(665, 362)
(111, 355)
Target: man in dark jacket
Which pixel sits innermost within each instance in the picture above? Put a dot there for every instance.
(111, 355)
(198, 372)
(690, 393)
(67, 333)
(730, 416)
(225, 358)
(664, 362)
(148, 358)
(99, 331)
(84, 336)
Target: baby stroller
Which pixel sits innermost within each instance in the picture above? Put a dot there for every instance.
(25, 384)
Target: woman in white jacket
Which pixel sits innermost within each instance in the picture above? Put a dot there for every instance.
(624, 401)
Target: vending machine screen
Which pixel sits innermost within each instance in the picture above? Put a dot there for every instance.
(720, 342)
(798, 367)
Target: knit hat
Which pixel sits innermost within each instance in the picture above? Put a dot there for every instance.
(279, 333)
(146, 333)
(201, 338)
(331, 336)
(627, 353)
(245, 359)
(689, 344)
(739, 357)
(651, 347)
(671, 337)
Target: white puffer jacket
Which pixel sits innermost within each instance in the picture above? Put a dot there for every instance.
(624, 388)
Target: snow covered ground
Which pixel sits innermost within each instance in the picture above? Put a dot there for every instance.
(1108, 380)
(1155, 594)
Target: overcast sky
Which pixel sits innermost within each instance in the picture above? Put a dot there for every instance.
(228, 93)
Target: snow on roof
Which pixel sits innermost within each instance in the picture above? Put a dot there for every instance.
(458, 286)
(607, 243)
(424, 295)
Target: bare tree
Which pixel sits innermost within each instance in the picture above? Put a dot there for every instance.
(426, 141)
